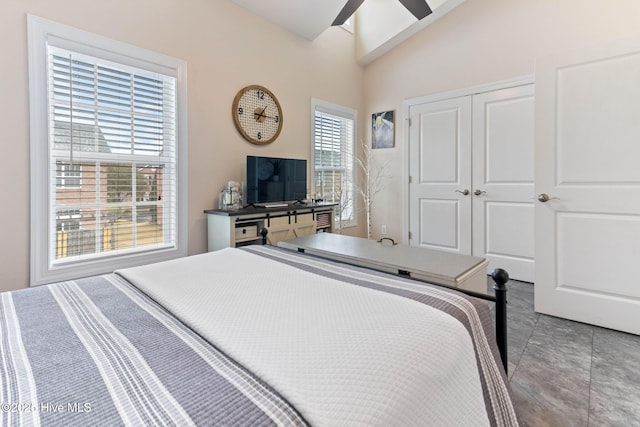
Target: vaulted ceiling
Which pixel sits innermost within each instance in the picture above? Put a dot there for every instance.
(307, 18)
(381, 24)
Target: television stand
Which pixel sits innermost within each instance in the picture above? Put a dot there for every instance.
(271, 205)
(284, 222)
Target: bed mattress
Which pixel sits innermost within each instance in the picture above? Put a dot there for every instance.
(254, 336)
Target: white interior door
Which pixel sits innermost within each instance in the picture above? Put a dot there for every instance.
(502, 207)
(439, 159)
(587, 160)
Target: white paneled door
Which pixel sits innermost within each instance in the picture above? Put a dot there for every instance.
(503, 201)
(471, 172)
(440, 175)
(587, 173)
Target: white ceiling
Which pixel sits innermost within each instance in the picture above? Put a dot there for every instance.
(381, 24)
(307, 18)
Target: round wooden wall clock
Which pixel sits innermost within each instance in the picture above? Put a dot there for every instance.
(257, 114)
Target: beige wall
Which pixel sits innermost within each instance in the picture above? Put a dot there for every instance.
(226, 48)
(481, 41)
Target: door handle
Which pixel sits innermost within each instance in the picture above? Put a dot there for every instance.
(464, 192)
(479, 192)
(543, 197)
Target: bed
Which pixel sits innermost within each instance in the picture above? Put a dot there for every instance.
(249, 336)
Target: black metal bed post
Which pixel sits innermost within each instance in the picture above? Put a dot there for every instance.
(501, 277)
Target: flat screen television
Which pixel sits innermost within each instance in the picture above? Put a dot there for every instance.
(274, 180)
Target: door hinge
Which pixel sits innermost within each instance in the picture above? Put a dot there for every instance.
(409, 118)
(409, 235)
(410, 179)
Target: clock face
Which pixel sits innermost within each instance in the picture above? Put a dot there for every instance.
(257, 114)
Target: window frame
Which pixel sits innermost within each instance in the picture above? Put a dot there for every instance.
(348, 113)
(41, 34)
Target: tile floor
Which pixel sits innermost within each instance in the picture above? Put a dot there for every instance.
(565, 373)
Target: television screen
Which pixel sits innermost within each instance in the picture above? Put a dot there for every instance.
(275, 180)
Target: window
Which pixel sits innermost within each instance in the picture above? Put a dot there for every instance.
(333, 158)
(68, 219)
(67, 175)
(108, 154)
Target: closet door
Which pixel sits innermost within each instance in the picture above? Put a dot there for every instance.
(440, 175)
(503, 202)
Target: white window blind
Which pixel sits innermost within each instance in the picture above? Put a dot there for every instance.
(112, 154)
(114, 128)
(333, 159)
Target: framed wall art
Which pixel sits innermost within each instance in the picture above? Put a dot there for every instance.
(383, 130)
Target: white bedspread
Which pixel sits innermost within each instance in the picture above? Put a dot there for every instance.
(341, 354)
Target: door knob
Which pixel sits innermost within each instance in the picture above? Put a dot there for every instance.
(543, 197)
(464, 192)
(479, 192)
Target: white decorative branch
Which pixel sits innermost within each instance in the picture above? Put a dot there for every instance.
(372, 182)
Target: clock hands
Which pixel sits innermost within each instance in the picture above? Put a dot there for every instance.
(260, 116)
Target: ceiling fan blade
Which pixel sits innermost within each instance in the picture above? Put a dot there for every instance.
(419, 8)
(347, 11)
